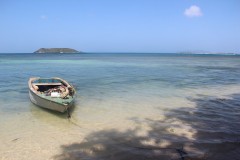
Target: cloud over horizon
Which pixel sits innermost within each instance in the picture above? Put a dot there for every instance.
(193, 11)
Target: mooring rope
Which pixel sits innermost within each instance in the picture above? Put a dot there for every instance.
(71, 120)
(68, 113)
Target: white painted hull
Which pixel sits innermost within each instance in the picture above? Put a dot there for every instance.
(49, 103)
(44, 103)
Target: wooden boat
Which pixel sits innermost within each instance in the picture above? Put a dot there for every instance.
(51, 93)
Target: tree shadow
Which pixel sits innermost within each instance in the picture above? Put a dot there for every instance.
(209, 131)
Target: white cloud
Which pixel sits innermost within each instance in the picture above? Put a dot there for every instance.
(193, 11)
(43, 17)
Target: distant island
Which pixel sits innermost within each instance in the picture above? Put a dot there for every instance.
(56, 50)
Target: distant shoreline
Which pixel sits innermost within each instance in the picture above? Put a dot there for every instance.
(133, 53)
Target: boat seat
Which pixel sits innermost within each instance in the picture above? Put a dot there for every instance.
(47, 84)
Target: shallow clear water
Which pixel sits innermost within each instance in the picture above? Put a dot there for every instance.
(129, 106)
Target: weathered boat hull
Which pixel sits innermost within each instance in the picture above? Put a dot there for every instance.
(41, 102)
(48, 103)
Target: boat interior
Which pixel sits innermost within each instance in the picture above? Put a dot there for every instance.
(53, 88)
(43, 87)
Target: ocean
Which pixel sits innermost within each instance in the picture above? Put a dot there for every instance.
(128, 106)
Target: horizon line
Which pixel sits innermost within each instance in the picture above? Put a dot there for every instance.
(222, 53)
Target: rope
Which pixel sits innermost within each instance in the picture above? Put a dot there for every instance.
(68, 113)
(74, 123)
(71, 120)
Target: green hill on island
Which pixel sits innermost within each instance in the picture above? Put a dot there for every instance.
(56, 50)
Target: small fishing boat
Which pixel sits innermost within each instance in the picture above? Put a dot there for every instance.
(51, 93)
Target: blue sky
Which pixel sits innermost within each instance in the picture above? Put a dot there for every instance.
(120, 25)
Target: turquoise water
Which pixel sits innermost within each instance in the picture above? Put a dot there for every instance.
(129, 106)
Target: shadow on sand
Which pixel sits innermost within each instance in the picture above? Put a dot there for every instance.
(38, 111)
(209, 131)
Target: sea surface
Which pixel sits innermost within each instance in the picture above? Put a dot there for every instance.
(128, 106)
